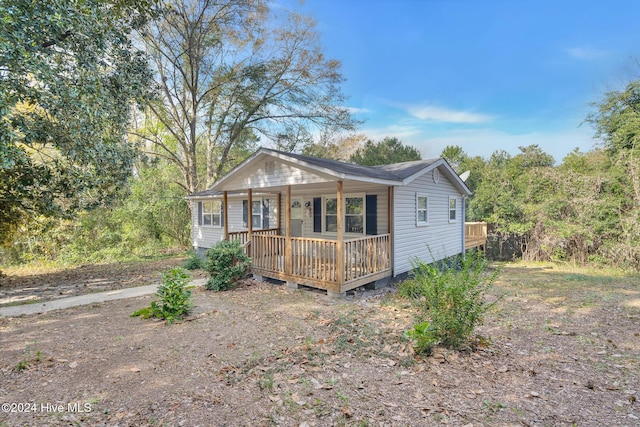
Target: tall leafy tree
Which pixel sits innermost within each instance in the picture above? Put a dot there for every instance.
(387, 151)
(234, 70)
(616, 118)
(69, 74)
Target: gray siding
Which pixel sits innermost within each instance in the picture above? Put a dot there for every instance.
(437, 240)
(208, 236)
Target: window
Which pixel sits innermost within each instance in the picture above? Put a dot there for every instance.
(354, 218)
(452, 209)
(212, 213)
(422, 209)
(354, 215)
(259, 213)
(331, 215)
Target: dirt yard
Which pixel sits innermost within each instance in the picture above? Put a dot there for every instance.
(564, 350)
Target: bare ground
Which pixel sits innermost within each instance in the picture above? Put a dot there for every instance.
(564, 350)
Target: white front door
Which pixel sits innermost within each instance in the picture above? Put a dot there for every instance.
(296, 216)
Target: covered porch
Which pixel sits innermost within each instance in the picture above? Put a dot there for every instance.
(337, 262)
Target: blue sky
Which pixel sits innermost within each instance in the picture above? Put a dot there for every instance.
(482, 74)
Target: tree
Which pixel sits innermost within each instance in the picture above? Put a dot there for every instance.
(69, 75)
(231, 71)
(455, 156)
(342, 149)
(387, 151)
(617, 118)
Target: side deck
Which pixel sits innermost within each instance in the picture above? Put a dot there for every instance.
(475, 235)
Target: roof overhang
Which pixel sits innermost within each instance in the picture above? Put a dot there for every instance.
(322, 170)
(229, 181)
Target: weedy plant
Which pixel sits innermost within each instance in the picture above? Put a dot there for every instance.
(28, 360)
(227, 263)
(451, 294)
(175, 297)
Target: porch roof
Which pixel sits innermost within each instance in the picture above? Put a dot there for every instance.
(396, 174)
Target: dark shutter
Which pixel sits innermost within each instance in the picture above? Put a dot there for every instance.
(222, 214)
(372, 213)
(199, 213)
(317, 214)
(245, 213)
(265, 213)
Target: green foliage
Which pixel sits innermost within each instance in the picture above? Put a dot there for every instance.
(194, 262)
(387, 151)
(423, 337)
(150, 219)
(175, 297)
(227, 263)
(69, 76)
(617, 118)
(452, 295)
(28, 360)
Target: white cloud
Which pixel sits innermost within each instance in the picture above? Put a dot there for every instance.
(439, 114)
(586, 53)
(356, 110)
(402, 132)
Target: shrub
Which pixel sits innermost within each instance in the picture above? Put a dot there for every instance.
(452, 295)
(175, 297)
(227, 263)
(194, 262)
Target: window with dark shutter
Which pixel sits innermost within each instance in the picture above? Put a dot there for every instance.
(199, 213)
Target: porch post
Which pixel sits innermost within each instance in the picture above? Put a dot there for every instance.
(288, 249)
(249, 219)
(390, 225)
(225, 217)
(340, 237)
(278, 212)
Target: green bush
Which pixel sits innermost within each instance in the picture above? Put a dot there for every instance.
(175, 297)
(227, 263)
(452, 295)
(194, 262)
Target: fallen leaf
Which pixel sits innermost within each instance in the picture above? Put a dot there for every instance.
(347, 412)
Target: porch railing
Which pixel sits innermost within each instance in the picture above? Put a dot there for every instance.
(366, 256)
(267, 252)
(475, 234)
(243, 236)
(314, 260)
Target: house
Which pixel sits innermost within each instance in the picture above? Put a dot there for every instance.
(333, 225)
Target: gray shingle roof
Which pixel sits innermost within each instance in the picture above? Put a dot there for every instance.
(393, 173)
(396, 171)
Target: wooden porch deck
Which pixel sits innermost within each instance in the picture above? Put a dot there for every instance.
(475, 235)
(313, 262)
